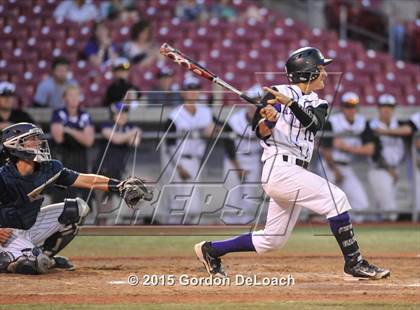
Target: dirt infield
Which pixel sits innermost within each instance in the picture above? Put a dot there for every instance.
(103, 280)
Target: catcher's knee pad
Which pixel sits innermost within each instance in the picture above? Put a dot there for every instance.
(33, 261)
(59, 240)
(74, 210)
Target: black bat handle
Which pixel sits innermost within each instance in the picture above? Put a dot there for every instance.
(249, 99)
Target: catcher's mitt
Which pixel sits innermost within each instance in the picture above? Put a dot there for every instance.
(133, 190)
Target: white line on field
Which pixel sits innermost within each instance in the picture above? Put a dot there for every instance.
(386, 284)
(117, 282)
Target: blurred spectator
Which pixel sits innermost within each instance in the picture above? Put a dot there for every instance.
(119, 9)
(223, 9)
(9, 115)
(141, 49)
(100, 48)
(415, 119)
(120, 135)
(73, 134)
(118, 89)
(79, 11)
(190, 10)
(253, 13)
(49, 92)
(384, 173)
(397, 33)
(163, 93)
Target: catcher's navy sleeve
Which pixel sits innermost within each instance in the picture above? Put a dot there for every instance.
(67, 176)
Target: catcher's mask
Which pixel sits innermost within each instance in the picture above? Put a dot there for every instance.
(25, 141)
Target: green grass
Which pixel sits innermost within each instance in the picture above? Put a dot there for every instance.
(373, 240)
(304, 240)
(290, 305)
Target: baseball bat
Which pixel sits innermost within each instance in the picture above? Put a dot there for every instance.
(180, 58)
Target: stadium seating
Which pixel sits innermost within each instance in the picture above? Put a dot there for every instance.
(236, 50)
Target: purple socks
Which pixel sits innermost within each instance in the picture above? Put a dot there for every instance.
(342, 229)
(242, 243)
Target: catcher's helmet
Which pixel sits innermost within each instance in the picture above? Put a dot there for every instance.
(16, 140)
(302, 65)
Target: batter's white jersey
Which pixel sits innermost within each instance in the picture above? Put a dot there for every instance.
(392, 148)
(341, 126)
(289, 137)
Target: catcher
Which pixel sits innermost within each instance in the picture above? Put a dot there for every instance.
(31, 234)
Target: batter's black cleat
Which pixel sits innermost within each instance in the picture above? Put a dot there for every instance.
(364, 271)
(212, 264)
(61, 262)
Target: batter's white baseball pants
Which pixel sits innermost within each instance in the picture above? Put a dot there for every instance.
(292, 188)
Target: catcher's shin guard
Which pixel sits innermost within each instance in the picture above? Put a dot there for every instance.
(75, 210)
(59, 240)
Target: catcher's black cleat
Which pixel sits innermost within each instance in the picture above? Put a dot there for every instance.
(212, 264)
(61, 262)
(364, 271)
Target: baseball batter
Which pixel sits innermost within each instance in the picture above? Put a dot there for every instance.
(242, 168)
(289, 118)
(353, 138)
(384, 171)
(32, 235)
